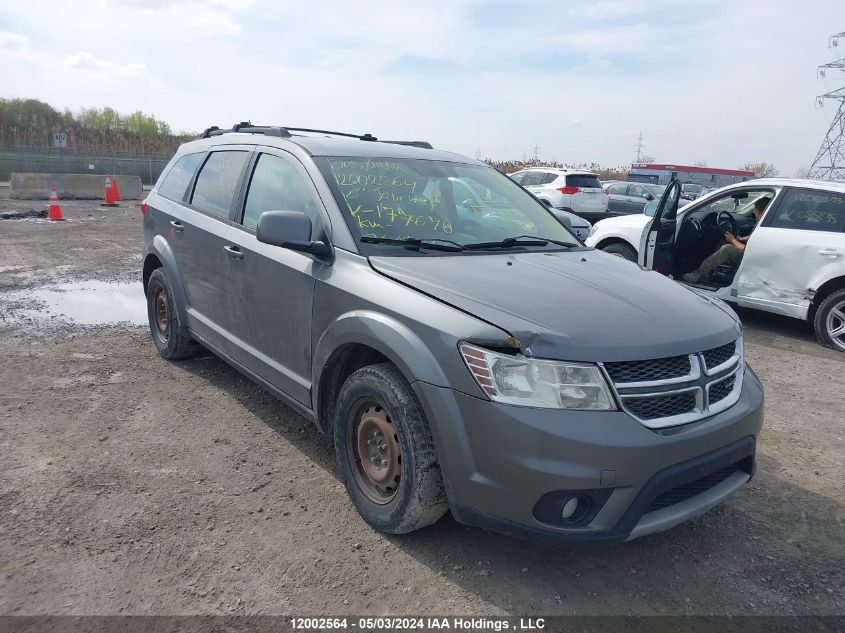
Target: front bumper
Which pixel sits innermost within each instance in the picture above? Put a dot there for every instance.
(505, 466)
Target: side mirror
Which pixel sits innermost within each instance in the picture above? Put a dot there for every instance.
(291, 230)
(648, 196)
(650, 209)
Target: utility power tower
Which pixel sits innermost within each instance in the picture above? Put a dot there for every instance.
(640, 147)
(829, 163)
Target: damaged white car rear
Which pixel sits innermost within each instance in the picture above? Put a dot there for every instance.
(793, 262)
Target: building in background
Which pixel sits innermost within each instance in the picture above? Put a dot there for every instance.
(709, 177)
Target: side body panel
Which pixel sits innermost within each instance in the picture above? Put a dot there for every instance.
(782, 268)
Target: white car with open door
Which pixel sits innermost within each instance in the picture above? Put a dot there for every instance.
(793, 262)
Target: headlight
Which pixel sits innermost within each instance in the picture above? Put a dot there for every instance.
(538, 383)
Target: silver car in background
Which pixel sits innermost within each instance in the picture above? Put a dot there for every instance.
(630, 197)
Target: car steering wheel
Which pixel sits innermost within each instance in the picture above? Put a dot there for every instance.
(726, 223)
(696, 224)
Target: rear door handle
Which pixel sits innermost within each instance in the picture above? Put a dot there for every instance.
(234, 252)
(177, 226)
(830, 252)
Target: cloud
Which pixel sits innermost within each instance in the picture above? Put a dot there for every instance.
(633, 39)
(13, 42)
(606, 9)
(87, 61)
(207, 16)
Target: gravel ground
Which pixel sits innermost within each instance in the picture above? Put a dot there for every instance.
(129, 484)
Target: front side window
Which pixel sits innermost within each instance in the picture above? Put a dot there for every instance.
(216, 183)
(741, 202)
(637, 191)
(400, 199)
(810, 210)
(518, 177)
(177, 179)
(277, 185)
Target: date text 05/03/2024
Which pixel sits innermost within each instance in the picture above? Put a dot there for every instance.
(418, 623)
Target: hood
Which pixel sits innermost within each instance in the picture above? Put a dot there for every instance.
(580, 305)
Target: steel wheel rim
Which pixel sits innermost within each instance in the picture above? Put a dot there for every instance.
(372, 445)
(835, 325)
(161, 311)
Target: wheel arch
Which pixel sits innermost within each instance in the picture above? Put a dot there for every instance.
(614, 239)
(362, 338)
(824, 291)
(160, 255)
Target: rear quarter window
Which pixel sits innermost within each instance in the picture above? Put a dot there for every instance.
(809, 210)
(218, 179)
(176, 182)
(583, 182)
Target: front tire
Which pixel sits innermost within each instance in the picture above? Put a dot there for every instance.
(623, 250)
(167, 336)
(829, 323)
(385, 451)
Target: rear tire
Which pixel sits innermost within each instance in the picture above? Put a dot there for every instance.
(167, 335)
(622, 250)
(385, 451)
(829, 323)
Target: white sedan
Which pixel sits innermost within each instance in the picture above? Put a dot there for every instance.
(793, 262)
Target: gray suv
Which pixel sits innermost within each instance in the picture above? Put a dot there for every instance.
(472, 358)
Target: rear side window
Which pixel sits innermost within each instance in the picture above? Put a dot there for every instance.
(277, 185)
(533, 178)
(180, 175)
(617, 189)
(809, 210)
(583, 182)
(215, 188)
(549, 177)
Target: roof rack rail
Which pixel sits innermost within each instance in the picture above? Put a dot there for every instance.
(245, 127)
(422, 144)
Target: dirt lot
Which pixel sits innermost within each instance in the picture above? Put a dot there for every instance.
(129, 484)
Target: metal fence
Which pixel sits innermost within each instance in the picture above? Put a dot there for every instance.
(51, 160)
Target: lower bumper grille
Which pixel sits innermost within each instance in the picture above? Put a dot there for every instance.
(690, 490)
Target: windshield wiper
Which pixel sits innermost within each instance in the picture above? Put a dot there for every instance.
(520, 240)
(411, 243)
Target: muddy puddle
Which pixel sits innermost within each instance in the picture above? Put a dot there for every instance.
(83, 303)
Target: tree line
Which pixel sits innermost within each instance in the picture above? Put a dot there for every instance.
(32, 123)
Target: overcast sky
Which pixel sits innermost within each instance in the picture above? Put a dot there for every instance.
(726, 82)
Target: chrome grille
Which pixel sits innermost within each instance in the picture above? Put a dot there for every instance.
(718, 355)
(675, 390)
(662, 406)
(644, 370)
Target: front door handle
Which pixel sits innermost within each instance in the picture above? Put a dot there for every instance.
(177, 226)
(234, 252)
(830, 252)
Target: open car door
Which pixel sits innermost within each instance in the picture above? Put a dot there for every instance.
(658, 239)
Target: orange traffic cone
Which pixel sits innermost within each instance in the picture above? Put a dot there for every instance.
(115, 190)
(55, 211)
(108, 194)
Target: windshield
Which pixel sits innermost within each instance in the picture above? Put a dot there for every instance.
(436, 201)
